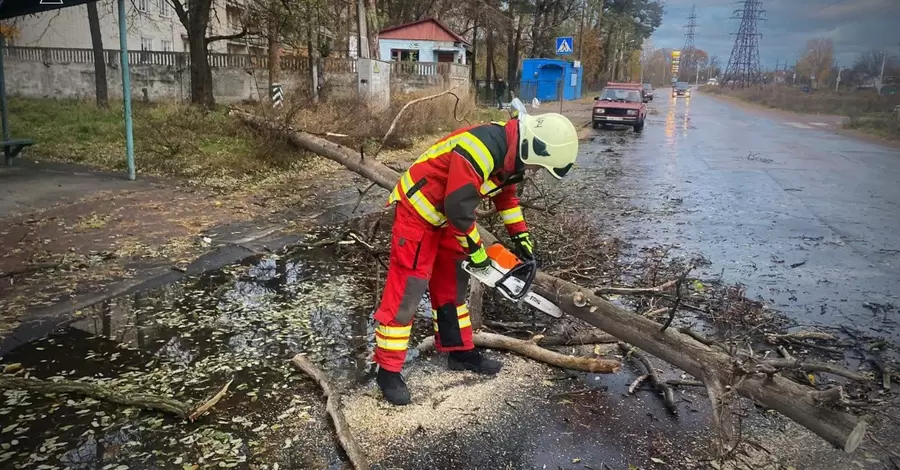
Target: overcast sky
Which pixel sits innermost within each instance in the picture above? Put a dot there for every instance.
(853, 25)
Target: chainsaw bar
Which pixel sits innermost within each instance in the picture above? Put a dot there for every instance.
(493, 274)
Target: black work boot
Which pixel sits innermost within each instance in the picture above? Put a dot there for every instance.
(473, 360)
(393, 387)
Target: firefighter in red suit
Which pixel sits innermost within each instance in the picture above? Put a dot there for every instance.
(434, 231)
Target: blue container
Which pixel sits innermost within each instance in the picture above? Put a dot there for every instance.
(547, 79)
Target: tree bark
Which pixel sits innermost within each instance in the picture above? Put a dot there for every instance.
(101, 85)
(709, 364)
(274, 43)
(372, 27)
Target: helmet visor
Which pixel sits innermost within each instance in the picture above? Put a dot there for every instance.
(560, 172)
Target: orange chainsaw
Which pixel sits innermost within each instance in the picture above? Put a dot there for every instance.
(512, 278)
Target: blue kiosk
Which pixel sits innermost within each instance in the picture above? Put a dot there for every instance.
(546, 79)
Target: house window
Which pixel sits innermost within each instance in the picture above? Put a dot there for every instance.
(143, 5)
(166, 46)
(146, 44)
(405, 55)
(165, 10)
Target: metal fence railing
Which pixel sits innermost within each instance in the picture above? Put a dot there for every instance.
(51, 55)
(543, 90)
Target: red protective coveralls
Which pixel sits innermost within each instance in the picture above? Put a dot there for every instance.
(434, 231)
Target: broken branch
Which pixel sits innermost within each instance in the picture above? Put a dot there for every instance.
(332, 407)
(407, 105)
(635, 290)
(663, 388)
(791, 363)
(532, 351)
(106, 393)
(587, 337)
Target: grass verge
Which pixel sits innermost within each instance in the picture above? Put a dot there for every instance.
(864, 109)
(213, 149)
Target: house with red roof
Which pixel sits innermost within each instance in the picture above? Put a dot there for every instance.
(426, 40)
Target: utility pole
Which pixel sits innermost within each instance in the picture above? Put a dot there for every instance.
(362, 42)
(883, 60)
(581, 33)
(689, 47)
(837, 82)
(743, 65)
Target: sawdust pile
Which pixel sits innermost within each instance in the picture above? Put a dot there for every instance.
(442, 400)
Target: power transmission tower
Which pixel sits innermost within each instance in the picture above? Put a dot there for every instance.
(743, 65)
(688, 49)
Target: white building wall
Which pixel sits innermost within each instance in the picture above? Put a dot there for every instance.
(68, 27)
(427, 49)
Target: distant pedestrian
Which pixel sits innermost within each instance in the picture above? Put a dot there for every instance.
(500, 89)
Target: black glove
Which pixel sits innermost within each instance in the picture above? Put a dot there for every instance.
(524, 246)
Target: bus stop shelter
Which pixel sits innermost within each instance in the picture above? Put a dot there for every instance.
(13, 8)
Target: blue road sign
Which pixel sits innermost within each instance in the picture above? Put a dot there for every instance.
(565, 45)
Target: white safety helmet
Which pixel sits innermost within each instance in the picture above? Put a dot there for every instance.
(548, 140)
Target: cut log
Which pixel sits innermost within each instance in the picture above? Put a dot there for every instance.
(715, 367)
(532, 351)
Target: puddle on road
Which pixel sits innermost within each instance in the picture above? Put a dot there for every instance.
(185, 341)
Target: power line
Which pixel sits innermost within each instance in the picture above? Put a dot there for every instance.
(743, 65)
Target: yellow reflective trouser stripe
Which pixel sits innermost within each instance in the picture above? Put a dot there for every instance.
(392, 344)
(461, 311)
(394, 331)
(394, 338)
(511, 216)
(418, 201)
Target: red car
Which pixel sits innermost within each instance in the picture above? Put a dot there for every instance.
(620, 103)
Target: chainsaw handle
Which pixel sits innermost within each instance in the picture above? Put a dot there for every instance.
(529, 279)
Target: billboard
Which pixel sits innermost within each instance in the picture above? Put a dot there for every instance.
(676, 60)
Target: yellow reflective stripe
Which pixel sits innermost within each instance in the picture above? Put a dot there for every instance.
(487, 187)
(395, 331)
(479, 152)
(392, 344)
(419, 202)
(463, 311)
(511, 216)
(474, 235)
(462, 241)
(470, 143)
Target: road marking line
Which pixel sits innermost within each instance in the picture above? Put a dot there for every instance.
(799, 125)
(821, 124)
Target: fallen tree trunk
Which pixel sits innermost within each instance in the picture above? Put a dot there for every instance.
(532, 351)
(716, 368)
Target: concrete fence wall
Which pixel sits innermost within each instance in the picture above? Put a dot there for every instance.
(165, 76)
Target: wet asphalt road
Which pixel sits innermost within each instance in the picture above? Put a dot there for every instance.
(807, 219)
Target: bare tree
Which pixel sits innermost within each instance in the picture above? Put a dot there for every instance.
(195, 18)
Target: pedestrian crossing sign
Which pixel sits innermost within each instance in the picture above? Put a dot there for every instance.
(564, 45)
